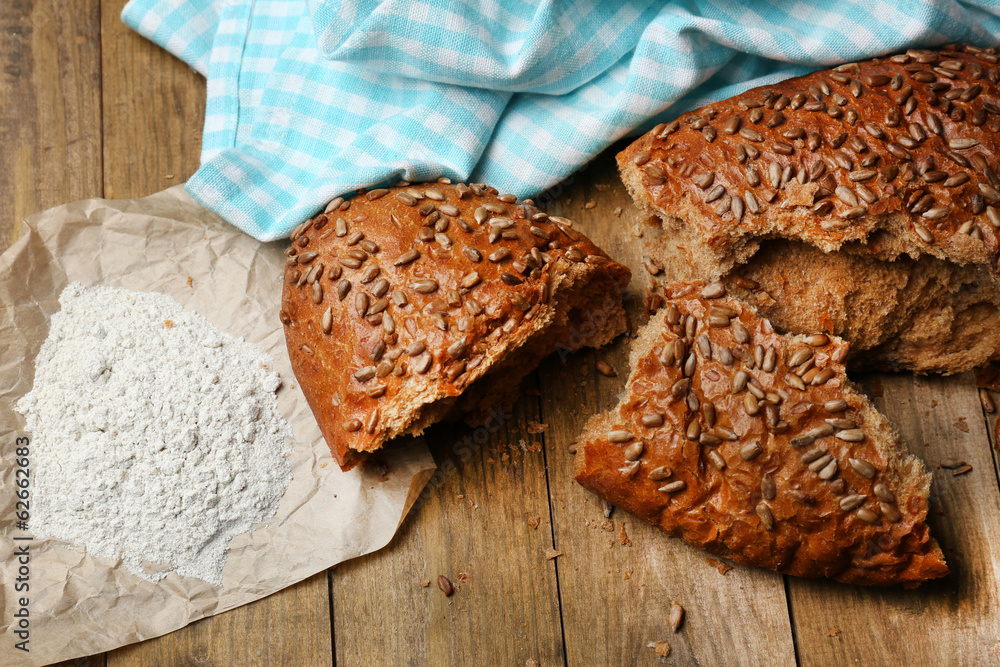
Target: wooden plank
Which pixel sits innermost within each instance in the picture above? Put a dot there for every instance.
(475, 524)
(991, 418)
(291, 627)
(154, 108)
(617, 587)
(153, 111)
(50, 107)
(955, 621)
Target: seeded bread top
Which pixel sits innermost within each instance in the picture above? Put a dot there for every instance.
(397, 300)
(755, 446)
(907, 145)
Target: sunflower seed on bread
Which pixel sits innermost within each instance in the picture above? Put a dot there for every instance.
(431, 328)
(811, 482)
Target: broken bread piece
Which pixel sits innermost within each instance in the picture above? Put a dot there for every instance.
(756, 447)
(900, 147)
(923, 315)
(407, 305)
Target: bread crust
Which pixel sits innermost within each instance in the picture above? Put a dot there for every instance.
(842, 500)
(905, 145)
(398, 301)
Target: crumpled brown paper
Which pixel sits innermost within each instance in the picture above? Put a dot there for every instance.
(79, 604)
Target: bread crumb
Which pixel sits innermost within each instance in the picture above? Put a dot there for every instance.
(606, 369)
(719, 565)
(601, 187)
(618, 211)
(608, 525)
(676, 618)
(834, 632)
(961, 425)
(623, 536)
(537, 427)
(591, 204)
(551, 553)
(425, 582)
(533, 522)
(531, 662)
(961, 470)
(190, 281)
(662, 648)
(628, 574)
(168, 324)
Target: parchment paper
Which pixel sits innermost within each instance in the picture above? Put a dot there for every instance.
(79, 604)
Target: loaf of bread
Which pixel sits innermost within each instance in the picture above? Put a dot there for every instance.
(756, 447)
(889, 158)
(408, 305)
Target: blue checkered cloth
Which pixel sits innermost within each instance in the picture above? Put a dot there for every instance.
(312, 99)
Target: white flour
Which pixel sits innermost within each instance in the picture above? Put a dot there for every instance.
(156, 437)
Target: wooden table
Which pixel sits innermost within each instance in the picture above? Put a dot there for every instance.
(89, 109)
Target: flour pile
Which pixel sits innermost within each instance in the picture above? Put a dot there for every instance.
(156, 437)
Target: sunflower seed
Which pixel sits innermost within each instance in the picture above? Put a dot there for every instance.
(795, 381)
(846, 195)
(924, 233)
(852, 502)
(499, 255)
(317, 293)
(867, 516)
(829, 471)
(765, 515)
(660, 473)
(634, 451)
(713, 291)
(619, 436)
(457, 349)
(693, 431)
(364, 374)
(884, 493)
(767, 487)
(988, 191)
(962, 144)
(770, 360)
(851, 435)
(424, 286)
(423, 363)
(987, 401)
(652, 420)
(740, 381)
(673, 487)
(750, 451)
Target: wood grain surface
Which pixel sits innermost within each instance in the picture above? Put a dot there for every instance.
(87, 108)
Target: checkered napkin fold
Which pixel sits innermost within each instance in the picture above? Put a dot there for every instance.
(312, 99)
